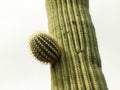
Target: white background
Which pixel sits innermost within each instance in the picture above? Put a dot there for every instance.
(20, 18)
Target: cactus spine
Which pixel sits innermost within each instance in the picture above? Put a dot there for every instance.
(80, 65)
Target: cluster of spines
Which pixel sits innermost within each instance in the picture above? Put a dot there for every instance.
(45, 48)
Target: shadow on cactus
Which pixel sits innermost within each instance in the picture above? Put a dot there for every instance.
(45, 48)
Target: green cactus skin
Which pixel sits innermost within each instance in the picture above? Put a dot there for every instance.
(80, 65)
(45, 48)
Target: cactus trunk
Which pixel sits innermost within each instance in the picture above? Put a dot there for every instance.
(80, 65)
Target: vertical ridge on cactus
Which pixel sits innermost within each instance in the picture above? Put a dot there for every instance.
(80, 65)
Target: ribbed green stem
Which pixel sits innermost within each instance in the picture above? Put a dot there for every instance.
(80, 65)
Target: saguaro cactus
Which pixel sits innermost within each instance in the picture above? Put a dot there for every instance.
(79, 67)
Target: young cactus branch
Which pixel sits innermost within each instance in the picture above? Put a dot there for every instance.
(45, 48)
